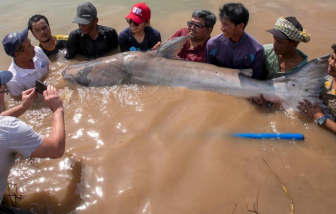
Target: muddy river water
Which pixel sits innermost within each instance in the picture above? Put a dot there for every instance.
(155, 149)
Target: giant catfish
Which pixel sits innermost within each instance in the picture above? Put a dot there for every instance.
(160, 68)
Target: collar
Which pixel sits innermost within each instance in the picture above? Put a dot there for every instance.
(240, 41)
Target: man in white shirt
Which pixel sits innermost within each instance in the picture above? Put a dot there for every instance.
(16, 137)
(29, 63)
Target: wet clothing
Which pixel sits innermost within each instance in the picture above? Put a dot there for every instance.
(128, 43)
(24, 79)
(106, 41)
(247, 53)
(272, 63)
(328, 95)
(61, 43)
(197, 54)
(16, 137)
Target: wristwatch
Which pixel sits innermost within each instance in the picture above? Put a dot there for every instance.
(322, 120)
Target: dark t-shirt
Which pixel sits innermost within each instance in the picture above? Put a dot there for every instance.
(106, 41)
(128, 43)
(61, 44)
(196, 54)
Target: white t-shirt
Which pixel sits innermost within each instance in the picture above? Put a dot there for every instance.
(24, 79)
(16, 137)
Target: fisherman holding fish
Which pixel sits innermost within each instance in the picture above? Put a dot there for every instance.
(139, 36)
(234, 48)
(17, 138)
(199, 29)
(327, 95)
(90, 39)
(283, 57)
(29, 63)
(39, 26)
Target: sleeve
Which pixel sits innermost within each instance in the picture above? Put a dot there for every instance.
(23, 139)
(71, 46)
(156, 38)
(122, 38)
(208, 51)
(112, 36)
(258, 65)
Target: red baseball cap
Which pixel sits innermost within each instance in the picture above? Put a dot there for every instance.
(140, 13)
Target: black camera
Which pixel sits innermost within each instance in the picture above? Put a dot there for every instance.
(40, 86)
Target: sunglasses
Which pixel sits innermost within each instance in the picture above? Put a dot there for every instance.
(130, 21)
(4, 91)
(196, 25)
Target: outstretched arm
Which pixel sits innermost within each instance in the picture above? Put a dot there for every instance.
(54, 145)
(314, 111)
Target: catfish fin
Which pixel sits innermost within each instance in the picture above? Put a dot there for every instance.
(306, 82)
(172, 47)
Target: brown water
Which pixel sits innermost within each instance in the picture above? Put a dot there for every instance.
(154, 149)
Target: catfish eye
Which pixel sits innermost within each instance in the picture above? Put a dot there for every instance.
(293, 84)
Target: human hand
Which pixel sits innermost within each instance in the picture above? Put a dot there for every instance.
(28, 97)
(261, 101)
(309, 109)
(156, 46)
(52, 99)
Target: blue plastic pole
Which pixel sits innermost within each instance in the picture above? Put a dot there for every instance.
(285, 136)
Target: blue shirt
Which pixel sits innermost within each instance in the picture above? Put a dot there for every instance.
(128, 43)
(247, 53)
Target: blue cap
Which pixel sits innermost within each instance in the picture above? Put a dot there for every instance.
(13, 40)
(5, 76)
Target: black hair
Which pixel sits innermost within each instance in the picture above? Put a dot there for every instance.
(235, 12)
(334, 47)
(209, 17)
(36, 18)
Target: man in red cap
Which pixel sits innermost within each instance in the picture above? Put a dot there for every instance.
(29, 63)
(90, 39)
(139, 36)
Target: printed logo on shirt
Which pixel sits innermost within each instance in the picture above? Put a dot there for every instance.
(43, 64)
(213, 52)
(137, 11)
(11, 35)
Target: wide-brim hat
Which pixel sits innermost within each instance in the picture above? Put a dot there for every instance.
(5, 77)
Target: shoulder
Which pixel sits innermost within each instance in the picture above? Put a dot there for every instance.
(181, 32)
(124, 32)
(40, 55)
(152, 31)
(106, 29)
(216, 40)
(253, 42)
(75, 32)
(268, 49)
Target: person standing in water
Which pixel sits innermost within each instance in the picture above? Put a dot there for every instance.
(139, 36)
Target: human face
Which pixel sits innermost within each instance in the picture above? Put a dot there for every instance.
(28, 52)
(199, 33)
(136, 28)
(282, 46)
(230, 30)
(41, 31)
(332, 65)
(89, 28)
